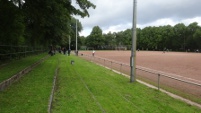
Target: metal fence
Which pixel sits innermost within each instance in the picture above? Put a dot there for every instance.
(8, 52)
(171, 82)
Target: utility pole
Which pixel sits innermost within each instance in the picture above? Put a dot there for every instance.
(133, 49)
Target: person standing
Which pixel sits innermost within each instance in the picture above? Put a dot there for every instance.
(64, 50)
(69, 52)
(93, 52)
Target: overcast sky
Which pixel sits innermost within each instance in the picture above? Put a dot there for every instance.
(116, 15)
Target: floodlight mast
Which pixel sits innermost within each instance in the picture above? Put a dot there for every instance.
(133, 49)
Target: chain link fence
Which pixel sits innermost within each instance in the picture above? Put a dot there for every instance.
(9, 52)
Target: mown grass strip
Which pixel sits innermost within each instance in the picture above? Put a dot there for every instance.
(16, 66)
(112, 91)
(31, 93)
(89, 91)
(71, 95)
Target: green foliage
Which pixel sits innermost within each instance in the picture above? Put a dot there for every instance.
(48, 21)
(84, 5)
(95, 39)
(176, 38)
(197, 37)
(109, 40)
(39, 22)
(82, 40)
(11, 24)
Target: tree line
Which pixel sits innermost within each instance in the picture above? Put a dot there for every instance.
(176, 38)
(45, 22)
(40, 22)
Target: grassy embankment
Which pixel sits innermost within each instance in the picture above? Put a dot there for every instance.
(16, 66)
(31, 93)
(84, 87)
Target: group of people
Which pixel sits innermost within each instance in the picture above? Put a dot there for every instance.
(52, 50)
(64, 50)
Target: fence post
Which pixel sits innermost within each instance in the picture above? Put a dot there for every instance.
(120, 68)
(90, 58)
(111, 65)
(104, 62)
(10, 52)
(25, 51)
(158, 81)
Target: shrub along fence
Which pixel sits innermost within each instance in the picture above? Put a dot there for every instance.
(8, 52)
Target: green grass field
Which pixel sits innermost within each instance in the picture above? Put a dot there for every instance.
(84, 87)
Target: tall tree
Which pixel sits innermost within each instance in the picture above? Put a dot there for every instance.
(127, 37)
(95, 39)
(41, 22)
(11, 24)
(109, 40)
(180, 35)
(190, 40)
(50, 20)
(197, 38)
(119, 38)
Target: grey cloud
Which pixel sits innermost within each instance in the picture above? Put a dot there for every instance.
(113, 12)
(109, 13)
(175, 9)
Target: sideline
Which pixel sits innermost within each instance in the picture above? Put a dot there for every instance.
(154, 87)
